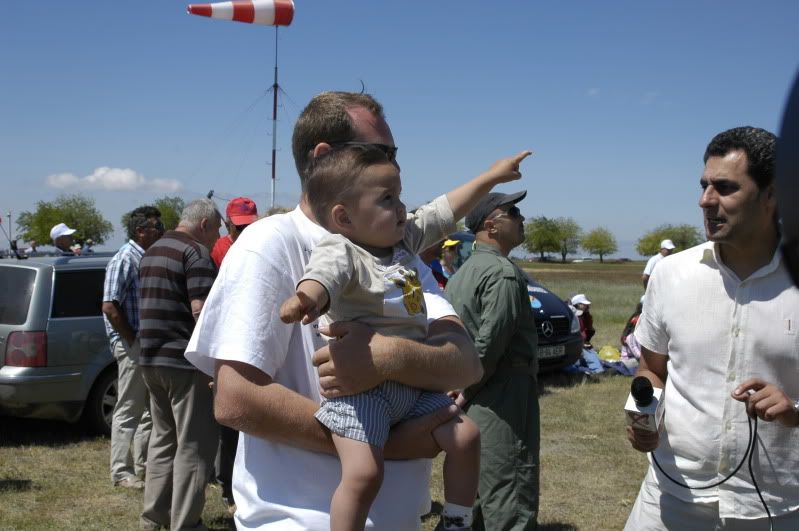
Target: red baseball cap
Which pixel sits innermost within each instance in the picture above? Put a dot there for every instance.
(242, 211)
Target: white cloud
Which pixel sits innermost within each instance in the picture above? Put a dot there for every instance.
(593, 92)
(113, 179)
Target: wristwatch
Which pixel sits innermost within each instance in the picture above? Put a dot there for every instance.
(796, 406)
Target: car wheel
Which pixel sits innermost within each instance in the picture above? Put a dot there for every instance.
(99, 407)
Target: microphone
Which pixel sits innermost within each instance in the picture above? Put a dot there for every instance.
(644, 407)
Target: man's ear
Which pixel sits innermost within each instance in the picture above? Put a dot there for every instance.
(340, 219)
(203, 224)
(771, 192)
(320, 149)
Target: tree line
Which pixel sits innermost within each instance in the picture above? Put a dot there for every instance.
(562, 236)
(79, 213)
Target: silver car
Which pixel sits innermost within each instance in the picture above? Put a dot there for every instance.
(55, 361)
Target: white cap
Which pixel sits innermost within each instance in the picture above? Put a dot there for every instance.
(580, 299)
(60, 230)
(667, 244)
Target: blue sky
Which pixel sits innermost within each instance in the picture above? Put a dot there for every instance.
(616, 98)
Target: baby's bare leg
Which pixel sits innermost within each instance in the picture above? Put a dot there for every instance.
(460, 439)
(361, 477)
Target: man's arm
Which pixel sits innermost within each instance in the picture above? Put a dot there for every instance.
(500, 309)
(246, 399)
(196, 308)
(118, 321)
(361, 359)
(654, 367)
(645, 280)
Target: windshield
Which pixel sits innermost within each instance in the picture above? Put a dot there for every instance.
(16, 288)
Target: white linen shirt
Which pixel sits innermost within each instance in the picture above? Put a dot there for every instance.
(277, 486)
(717, 332)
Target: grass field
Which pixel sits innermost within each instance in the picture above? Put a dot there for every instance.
(54, 477)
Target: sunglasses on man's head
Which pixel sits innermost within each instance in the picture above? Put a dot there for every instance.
(389, 151)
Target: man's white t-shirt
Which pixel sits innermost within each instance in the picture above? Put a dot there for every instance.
(651, 263)
(278, 486)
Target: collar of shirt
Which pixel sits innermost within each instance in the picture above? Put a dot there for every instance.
(484, 247)
(712, 255)
(137, 247)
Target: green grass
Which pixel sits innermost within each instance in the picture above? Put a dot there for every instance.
(54, 477)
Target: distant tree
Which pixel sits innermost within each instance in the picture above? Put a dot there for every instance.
(569, 234)
(683, 237)
(77, 211)
(171, 208)
(541, 236)
(600, 241)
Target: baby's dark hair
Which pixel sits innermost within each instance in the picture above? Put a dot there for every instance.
(334, 177)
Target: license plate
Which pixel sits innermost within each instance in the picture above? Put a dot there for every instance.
(548, 352)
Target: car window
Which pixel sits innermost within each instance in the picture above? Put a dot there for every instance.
(16, 288)
(78, 293)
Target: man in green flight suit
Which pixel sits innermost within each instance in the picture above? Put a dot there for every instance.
(489, 292)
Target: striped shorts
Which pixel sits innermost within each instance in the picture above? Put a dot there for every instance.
(368, 416)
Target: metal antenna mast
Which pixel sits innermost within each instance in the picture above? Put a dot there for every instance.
(275, 88)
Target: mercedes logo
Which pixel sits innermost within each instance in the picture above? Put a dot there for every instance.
(547, 329)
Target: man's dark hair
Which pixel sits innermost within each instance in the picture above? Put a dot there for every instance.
(334, 178)
(139, 217)
(759, 146)
(325, 119)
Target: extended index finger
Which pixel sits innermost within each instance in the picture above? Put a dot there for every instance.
(522, 155)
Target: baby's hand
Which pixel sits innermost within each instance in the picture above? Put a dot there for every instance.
(507, 169)
(297, 307)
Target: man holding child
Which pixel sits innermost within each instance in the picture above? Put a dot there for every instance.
(267, 384)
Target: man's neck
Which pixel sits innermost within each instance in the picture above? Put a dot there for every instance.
(306, 209)
(484, 239)
(194, 233)
(745, 260)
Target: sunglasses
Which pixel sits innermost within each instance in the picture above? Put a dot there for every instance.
(389, 151)
(158, 225)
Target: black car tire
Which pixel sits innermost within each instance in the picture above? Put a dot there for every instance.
(99, 407)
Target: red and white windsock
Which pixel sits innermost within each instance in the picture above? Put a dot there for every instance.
(266, 12)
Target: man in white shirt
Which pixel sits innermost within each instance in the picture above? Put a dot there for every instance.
(267, 385)
(720, 319)
(666, 248)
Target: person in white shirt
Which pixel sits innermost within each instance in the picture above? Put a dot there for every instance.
(270, 377)
(718, 320)
(666, 248)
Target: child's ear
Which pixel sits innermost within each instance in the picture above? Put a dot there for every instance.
(339, 218)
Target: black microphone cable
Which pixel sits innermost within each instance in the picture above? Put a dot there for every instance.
(748, 455)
